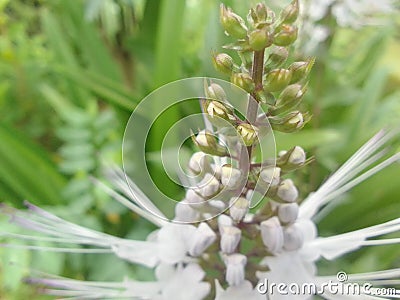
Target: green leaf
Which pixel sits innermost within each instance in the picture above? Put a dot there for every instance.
(27, 169)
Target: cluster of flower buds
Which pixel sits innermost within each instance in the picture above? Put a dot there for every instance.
(227, 189)
(283, 86)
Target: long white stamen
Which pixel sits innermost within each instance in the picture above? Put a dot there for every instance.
(132, 191)
(343, 179)
(334, 246)
(60, 231)
(140, 211)
(58, 249)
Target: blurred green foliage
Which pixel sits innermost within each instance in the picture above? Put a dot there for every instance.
(71, 72)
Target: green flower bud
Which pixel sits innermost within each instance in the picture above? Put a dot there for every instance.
(289, 98)
(248, 133)
(223, 63)
(290, 13)
(218, 113)
(261, 11)
(216, 92)
(286, 36)
(232, 23)
(207, 143)
(261, 15)
(293, 122)
(259, 39)
(244, 81)
(301, 69)
(277, 80)
(277, 57)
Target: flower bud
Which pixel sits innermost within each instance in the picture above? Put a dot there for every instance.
(208, 143)
(230, 177)
(297, 156)
(301, 69)
(224, 221)
(232, 23)
(277, 57)
(248, 133)
(272, 234)
(287, 191)
(270, 176)
(192, 197)
(289, 98)
(288, 212)
(235, 272)
(199, 162)
(244, 81)
(208, 186)
(239, 208)
(218, 114)
(230, 238)
(290, 13)
(292, 159)
(259, 39)
(185, 213)
(286, 36)
(259, 15)
(277, 80)
(203, 237)
(223, 63)
(293, 238)
(216, 92)
(292, 122)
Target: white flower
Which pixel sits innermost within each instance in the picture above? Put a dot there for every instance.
(182, 253)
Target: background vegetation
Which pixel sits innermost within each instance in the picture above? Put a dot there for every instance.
(71, 72)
